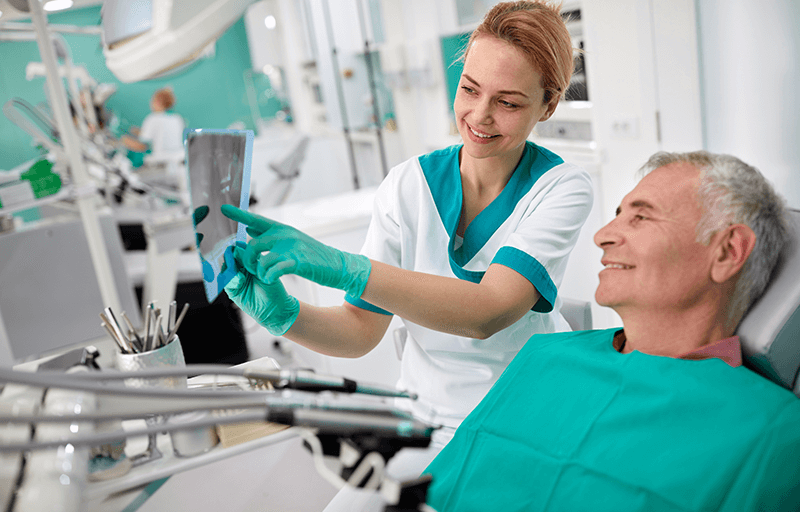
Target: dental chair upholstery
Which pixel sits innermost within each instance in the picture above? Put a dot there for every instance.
(770, 331)
(577, 313)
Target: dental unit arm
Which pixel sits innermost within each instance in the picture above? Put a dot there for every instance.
(364, 434)
(142, 44)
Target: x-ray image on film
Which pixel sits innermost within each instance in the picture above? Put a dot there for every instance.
(218, 163)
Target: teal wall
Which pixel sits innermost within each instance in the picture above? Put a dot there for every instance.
(452, 50)
(210, 94)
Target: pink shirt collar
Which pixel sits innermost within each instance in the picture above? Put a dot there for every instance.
(728, 349)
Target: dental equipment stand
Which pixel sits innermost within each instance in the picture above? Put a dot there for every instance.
(364, 435)
(71, 145)
(402, 496)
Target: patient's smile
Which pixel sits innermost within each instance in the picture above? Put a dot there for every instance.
(617, 265)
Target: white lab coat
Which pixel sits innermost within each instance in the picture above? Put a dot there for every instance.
(164, 132)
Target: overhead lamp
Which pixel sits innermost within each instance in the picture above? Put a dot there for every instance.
(146, 39)
(270, 22)
(57, 5)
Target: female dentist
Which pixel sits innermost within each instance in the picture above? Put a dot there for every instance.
(468, 244)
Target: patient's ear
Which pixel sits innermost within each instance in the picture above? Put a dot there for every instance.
(734, 245)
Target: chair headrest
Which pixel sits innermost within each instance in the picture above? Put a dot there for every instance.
(770, 331)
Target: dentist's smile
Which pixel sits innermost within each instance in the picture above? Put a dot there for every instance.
(479, 136)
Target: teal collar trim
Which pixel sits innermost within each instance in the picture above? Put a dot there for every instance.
(443, 174)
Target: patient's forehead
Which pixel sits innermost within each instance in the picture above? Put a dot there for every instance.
(670, 190)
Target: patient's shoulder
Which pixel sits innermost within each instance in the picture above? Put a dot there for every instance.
(763, 389)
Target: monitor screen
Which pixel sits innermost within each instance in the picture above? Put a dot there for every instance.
(46, 272)
(218, 163)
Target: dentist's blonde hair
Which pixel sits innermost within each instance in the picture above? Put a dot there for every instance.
(538, 30)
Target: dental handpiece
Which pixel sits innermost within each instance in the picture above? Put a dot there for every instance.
(305, 380)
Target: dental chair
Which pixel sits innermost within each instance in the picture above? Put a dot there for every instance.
(577, 313)
(770, 331)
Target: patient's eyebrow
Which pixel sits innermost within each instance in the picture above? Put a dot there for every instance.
(639, 203)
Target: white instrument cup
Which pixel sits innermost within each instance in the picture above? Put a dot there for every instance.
(192, 441)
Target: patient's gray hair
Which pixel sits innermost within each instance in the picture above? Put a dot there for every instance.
(732, 192)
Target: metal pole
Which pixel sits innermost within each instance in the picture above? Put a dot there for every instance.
(340, 93)
(252, 98)
(71, 143)
(373, 89)
(64, 29)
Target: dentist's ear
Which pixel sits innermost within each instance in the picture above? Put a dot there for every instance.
(734, 245)
(551, 108)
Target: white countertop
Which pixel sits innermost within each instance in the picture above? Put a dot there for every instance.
(326, 215)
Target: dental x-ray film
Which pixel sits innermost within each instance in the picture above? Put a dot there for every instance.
(218, 163)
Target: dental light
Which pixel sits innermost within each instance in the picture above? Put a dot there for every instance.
(57, 5)
(145, 39)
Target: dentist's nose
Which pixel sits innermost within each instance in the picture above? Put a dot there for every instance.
(483, 112)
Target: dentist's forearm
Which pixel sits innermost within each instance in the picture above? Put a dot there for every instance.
(451, 305)
(340, 331)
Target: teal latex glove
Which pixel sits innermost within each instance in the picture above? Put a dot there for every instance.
(294, 252)
(268, 304)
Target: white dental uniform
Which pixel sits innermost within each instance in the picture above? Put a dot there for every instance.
(164, 132)
(530, 227)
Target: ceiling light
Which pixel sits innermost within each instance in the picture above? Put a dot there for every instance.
(270, 22)
(57, 5)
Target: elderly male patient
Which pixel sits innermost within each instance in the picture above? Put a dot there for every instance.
(659, 415)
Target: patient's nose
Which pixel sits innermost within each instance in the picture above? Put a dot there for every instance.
(608, 234)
